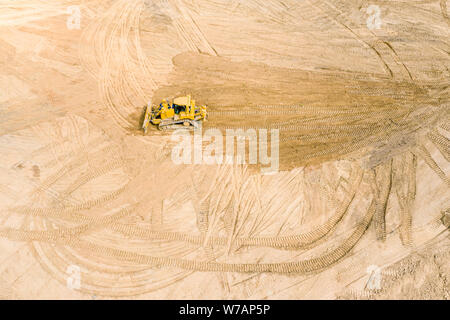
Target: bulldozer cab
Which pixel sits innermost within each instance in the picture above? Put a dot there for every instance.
(177, 108)
(183, 105)
(180, 113)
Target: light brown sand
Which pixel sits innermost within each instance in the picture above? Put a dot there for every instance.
(364, 150)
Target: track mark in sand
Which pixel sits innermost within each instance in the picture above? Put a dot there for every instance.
(189, 30)
(293, 242)
(383, 50)
(69, 211)
(66, 236)
(94, 173)
(446, 127)
(422, 152)
(441, 143)
(62, 233)
(383, 178)
(304, 266)
(124, 73)
(404, 172)
(443, 4)
(157, 249)
(299, 267)
(105, 156)
(22, 12)
(77, 162)
(111, 279)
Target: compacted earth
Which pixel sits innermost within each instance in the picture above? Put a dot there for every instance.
(347, 196)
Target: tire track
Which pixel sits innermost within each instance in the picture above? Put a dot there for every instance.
(296, 241)
(404, 171)
(422, 152)
(299, 267)
(383, 178)
(441, 143)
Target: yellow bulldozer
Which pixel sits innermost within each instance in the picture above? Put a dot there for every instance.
(180, 113)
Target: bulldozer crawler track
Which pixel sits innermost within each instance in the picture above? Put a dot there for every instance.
(296, 241)
(302, 267)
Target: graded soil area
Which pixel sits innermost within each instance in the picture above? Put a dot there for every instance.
(92, 208)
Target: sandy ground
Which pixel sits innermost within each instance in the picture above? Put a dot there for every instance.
(90, 208)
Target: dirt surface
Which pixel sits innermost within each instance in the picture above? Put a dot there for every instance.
(91, 208)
